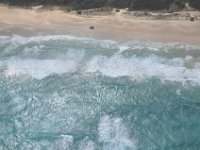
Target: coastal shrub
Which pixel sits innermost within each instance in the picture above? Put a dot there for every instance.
(195, 4)
(180, 3)
(78, 12)
(150, 4)
(119, 3)
(88, 4)
(117, 10)
(177, 5)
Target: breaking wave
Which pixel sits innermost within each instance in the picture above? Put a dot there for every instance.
(121, 60)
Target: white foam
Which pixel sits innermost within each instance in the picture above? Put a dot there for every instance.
(4, 37)
(4, 40)
(197, 65)
(39, 69)
(144, 67)
(34, 49)
(25, 40)
(87, 144)
(151, 46)
(16, 40)
(65, 142)
(158, 46)
(114, 135)
(178, 92)
(123, 48)
(44, 38)
(137, 68)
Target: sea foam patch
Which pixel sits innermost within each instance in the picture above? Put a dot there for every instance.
(140, 68)
(39, 69)
(15, 41)
(158, 46)
(114, 134)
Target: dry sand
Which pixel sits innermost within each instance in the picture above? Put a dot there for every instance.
(114, 26)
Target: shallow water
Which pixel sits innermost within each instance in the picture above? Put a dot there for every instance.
(65, 92)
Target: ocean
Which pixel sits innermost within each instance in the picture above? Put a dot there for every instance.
(62, 92)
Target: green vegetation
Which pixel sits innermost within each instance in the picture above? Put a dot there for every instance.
(195, 3)
(151, 4)
(87, 4)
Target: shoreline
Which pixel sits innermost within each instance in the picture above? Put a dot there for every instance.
(115, 26)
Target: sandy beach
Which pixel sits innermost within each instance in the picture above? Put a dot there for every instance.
(115, 26)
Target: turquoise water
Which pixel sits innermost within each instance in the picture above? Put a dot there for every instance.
(60, 92)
